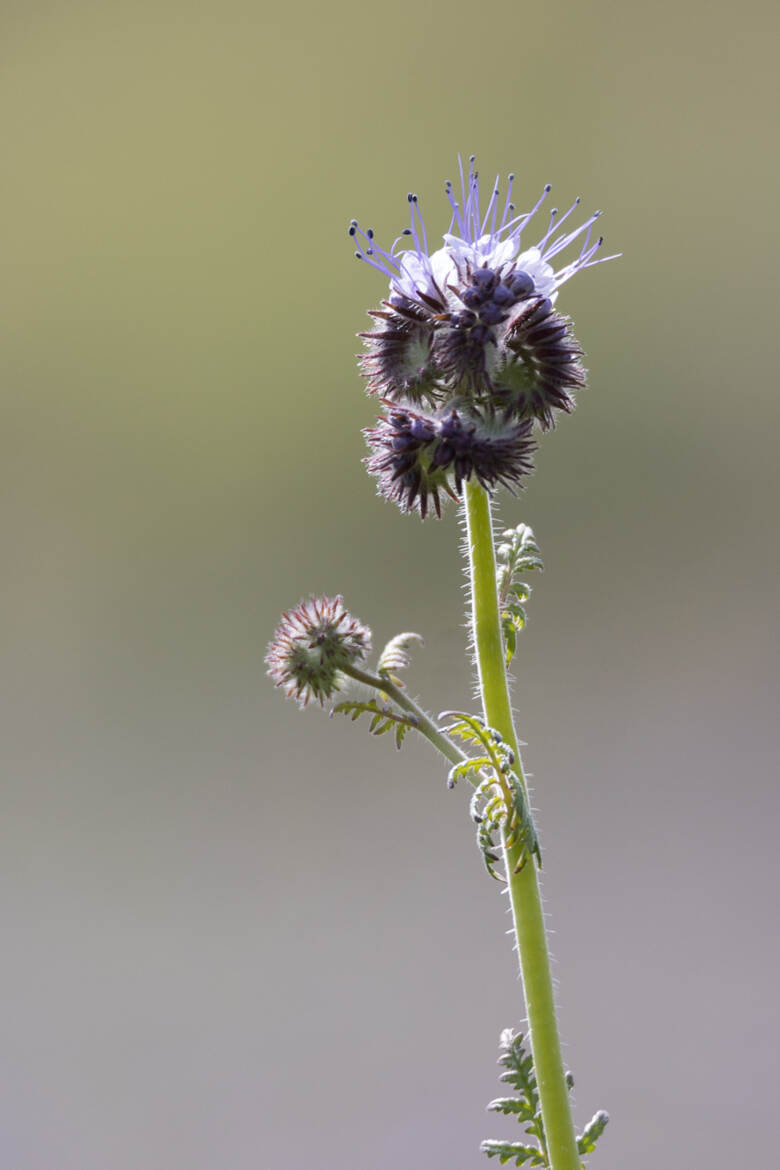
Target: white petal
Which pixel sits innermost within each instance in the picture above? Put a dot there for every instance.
(539, 270)
(414, 274)
(443, 268)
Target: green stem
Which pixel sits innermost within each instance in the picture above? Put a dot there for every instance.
(523, 885)
(422, 722)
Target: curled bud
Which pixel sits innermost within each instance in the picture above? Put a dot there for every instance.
(313, 644)
(416, 457)
(398, 362)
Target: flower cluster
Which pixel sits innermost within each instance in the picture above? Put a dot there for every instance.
(312, 646)
(468, 350)
(415, 456)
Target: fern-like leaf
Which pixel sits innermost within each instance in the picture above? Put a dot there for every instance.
(513, 1152)
(520, 824)
(518, 1067)
(519, 1072)
(499, 801)
(489, 819)
(515, 1106)
(516, 553)
(467, 769)
(383, 719)
(468, 728)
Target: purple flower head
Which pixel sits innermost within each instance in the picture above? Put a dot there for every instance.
(312, 646)
(452, 322)
(476, 240)
(418, 457)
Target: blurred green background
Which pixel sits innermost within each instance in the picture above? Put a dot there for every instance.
(239, 936)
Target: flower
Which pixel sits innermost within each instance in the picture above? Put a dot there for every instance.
(417, 456)
(476, 317)
(313, 644)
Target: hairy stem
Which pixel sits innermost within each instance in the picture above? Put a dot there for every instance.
(523, 885)
(422, 722)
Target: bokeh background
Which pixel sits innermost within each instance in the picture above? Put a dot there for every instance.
(239, 936)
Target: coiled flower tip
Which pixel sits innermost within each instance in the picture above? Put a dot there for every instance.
(475, 317)
(399, 363)
(417, 457)
(312, 646)
(540, 365)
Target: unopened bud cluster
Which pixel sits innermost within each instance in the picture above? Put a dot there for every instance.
(468, 351)
(312, 647)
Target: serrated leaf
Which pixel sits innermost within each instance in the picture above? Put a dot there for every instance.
(522, 820)
(512, 1105)
(519, 1072)
(586, 1142)
(461, 771)
(515, 613)
(510, 638)
(487, 847)
(463, 728)
(516, 553)
(512, 1152)
(383, 718)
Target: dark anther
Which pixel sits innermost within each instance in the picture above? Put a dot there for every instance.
(491, 314)
(483, 276)
(503, 296)
(470, 298)
(522, 285)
